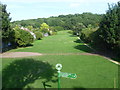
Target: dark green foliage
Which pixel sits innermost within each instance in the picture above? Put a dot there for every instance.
(23, 38)
(30, 22)
(7, 32)
(110, 28)
(67, 22)
(52, 21)
(87, 34)
(78, 28)
(39, 35)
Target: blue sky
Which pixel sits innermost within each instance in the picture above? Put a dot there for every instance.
(30, 9)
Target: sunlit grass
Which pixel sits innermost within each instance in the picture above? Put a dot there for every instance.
(92, 71)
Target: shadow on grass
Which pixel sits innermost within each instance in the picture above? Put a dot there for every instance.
(25, 71)
(100, 51)
(116, 59)
(14, 47)
(78, 41)
(8, 48)
(83, 48)
(72, 35)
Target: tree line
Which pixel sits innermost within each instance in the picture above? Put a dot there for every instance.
(66, 22)
(102, 30)
(107, 35)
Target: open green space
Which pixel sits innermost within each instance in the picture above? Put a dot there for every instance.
(31, 72)
(63, 42)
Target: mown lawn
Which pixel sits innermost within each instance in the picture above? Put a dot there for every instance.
(92, 71)
(63, 42)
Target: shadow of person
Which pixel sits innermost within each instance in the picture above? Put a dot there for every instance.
(22, 72)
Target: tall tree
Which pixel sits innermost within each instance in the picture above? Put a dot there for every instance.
(7, 32)
(110, 28)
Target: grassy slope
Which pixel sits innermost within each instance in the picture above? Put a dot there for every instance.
(92, 71)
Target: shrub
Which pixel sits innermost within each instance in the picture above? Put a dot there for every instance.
(85, 34)
(39, 35)
(23, 38)
(78, 28)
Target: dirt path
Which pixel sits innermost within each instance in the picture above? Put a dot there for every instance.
(28, 54)
(18, 54)
(70, 54)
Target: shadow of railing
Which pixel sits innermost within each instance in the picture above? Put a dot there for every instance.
(25, 71)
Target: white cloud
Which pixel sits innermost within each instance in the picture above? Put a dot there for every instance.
(32, 1)
(84, 1)
(74, 5)
(15, 6)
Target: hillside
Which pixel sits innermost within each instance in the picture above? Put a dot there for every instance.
(65, 21)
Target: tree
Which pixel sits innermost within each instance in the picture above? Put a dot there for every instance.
(65, 21)
(30, 28)
(44, 28)
(109, 31)
(78, 28)
(7, 32)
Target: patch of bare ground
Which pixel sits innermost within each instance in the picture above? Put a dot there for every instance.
(18, 54)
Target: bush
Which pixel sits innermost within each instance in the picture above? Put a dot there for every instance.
(39, 35)
(23, 38)
(85, 34)
(78, 28)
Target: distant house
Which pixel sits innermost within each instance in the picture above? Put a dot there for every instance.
(26, 29)
(46, 34)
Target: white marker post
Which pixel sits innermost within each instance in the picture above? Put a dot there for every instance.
(58, 67)
(64, 74)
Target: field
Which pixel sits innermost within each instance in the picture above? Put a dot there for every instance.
(92, 71)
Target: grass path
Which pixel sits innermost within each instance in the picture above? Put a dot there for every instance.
(92, 71)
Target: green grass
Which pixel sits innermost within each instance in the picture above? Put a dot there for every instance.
(63, 42)
(92, 71)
